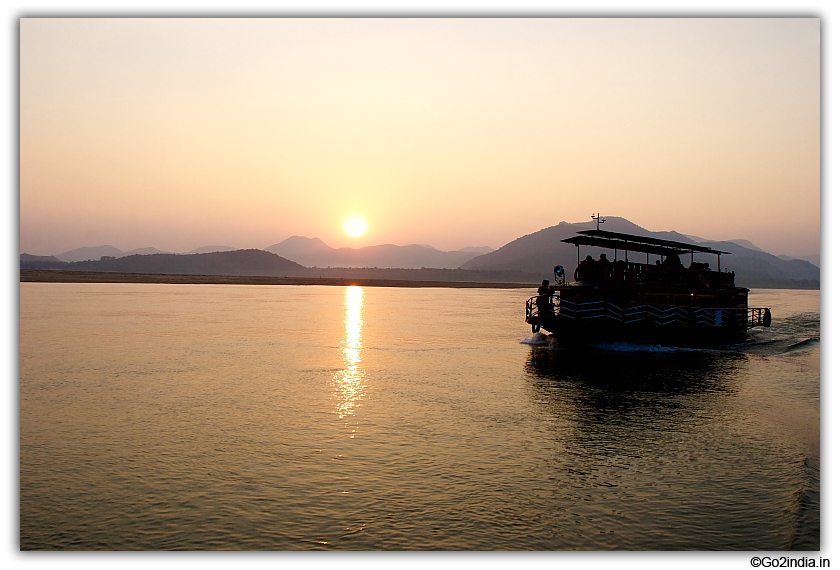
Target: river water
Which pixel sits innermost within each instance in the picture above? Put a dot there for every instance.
(305, 417)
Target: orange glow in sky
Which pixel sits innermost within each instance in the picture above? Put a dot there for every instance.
(180, 133)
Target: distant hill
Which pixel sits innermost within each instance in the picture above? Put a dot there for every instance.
(480, 250)
(95, 253)
(303, 250)
(814, 259)
(143, 251)
(239, 262)
(39, 258)
(211, 249)
(86, 253)
(742, 242)
(312, 252)
(542, 250)
(28, 261)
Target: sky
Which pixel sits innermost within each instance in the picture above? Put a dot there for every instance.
(452, 132)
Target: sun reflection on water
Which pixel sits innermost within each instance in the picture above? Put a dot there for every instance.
(349, 382)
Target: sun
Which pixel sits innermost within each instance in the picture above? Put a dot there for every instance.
(355, 227)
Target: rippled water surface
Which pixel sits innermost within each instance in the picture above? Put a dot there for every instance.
(286, 418)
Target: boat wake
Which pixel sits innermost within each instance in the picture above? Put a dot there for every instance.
(536, 339)
(777, 346)
(807, 343)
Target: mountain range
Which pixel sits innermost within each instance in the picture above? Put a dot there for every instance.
(312, 252)
(526, 258)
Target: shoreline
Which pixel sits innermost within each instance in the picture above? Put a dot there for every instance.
(61, 276)
(54, 276)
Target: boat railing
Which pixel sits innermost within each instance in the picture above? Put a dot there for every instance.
(541, 306)
(758, 318)
(647, 314)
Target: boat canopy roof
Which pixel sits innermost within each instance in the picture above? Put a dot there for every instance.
(629, 242)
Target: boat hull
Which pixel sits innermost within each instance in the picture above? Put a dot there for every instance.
(572, 333)
(596, 320)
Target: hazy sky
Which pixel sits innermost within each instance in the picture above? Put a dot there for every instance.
(180, 133)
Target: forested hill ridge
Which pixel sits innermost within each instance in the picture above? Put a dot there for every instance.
(239, 262)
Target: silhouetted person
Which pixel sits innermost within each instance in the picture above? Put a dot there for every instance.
(584, 270)
(672, 260)
(544, 299)
(603, 259)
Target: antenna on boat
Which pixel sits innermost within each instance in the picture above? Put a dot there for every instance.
(599, 220)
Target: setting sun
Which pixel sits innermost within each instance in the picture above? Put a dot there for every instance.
(355, 227)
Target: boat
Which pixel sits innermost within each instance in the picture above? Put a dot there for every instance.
(662, 303)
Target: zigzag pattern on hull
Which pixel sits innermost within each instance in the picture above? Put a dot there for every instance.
(657, 315)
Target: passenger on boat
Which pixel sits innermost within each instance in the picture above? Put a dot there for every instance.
(544, 299)
(603, 259)
(672, 260)
(584, 270)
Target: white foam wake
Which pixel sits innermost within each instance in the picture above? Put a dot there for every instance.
(536, 339)
(540, 339)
